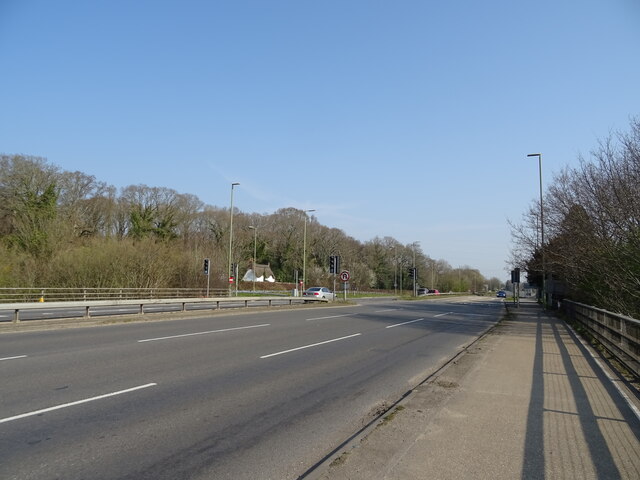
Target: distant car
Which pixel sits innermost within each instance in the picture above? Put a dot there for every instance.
(319, 293)
(428, 291)
(502, 294)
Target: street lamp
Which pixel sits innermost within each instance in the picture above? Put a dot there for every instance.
(544, 290)
(395, 270)
(255, 243)
(415, 275)
(231, 239)
(304, 250)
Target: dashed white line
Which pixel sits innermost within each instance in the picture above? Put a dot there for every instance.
(443, 314)
(309, 346)
(72, 404)
(405, 323)
(13, 358)
(203, 333)
(386, 310)
(332, 316)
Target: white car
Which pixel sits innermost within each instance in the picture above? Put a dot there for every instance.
(319, 293)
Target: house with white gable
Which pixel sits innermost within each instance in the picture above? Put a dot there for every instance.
(259, 273)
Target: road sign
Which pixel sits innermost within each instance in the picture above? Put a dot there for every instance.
(344, 276)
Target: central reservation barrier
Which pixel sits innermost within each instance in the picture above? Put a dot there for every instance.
(142, 303)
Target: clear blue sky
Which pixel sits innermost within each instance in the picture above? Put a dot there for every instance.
(402, 118)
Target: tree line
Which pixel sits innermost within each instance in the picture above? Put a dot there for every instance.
(68, 229)
(591, 216)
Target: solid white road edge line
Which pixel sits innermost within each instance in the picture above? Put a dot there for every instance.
(203, 333)
(72, 404)
(404, 323)
(13, 358)
(309, 346)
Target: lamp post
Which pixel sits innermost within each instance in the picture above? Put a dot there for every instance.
(304, 250)
(255, 243)
(415, 273)
(395, 270)
(544, 289)
(231, 240)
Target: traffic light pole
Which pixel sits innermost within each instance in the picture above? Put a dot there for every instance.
(206, 272)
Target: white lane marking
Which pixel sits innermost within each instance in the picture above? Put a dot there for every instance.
(203, 333)
(332, 316)
(443, 314)
(404, 323)
(309, 346)
(386, 310)
(72, 404)
(13, 358)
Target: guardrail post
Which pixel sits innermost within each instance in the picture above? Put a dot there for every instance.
(184, 306)
(87, 314)
(141, 312)
(16, 316)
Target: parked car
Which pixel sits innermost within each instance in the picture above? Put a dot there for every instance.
(319, 293)
(502, 294)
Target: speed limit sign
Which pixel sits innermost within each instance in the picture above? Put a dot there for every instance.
(344, 276)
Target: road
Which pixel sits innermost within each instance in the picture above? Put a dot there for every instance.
(240, 396)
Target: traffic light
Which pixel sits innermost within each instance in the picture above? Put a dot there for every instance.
(515, 276)
(334, 264)
(206, 266)
(412, 272)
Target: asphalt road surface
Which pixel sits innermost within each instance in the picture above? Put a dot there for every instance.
(248, 395)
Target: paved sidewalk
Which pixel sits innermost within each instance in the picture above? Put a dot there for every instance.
(527, 401)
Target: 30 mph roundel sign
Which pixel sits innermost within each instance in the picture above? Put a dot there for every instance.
(344, 276)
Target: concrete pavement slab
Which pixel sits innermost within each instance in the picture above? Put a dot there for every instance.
(526, 401)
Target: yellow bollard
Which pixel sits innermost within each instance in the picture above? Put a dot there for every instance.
(41, 299)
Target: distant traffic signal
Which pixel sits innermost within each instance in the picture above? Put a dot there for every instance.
(334, 264)
(206, 266)
(515, 276)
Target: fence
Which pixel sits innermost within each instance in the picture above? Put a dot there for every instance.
(139, 304)
(619, 334)
(15, 295)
